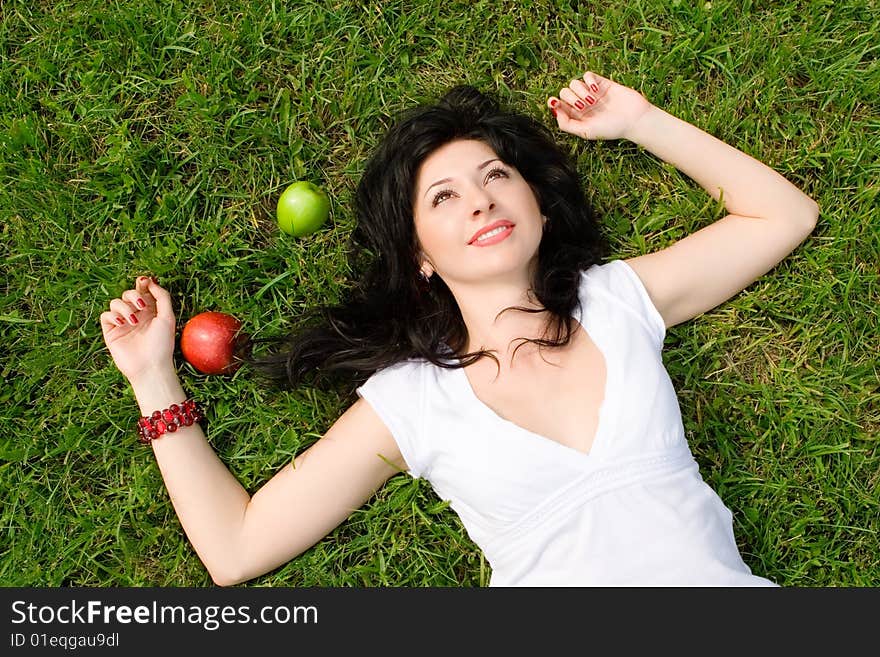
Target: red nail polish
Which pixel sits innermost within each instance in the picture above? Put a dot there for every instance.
(594, 87)
(134, 320)
(120, 321)
(141, 303)
(579, 104)
(590, 100)
(554, 102)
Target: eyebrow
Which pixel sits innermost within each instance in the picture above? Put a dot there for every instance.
(446, 180)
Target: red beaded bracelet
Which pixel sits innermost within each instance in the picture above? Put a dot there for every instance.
(169, 420)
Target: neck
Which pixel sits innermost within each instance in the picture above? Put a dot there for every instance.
(491, 329)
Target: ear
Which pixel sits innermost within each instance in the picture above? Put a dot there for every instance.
(425, 264)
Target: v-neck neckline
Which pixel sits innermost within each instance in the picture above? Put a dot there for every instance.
(604, 408)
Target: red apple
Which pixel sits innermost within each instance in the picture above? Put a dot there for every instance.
(210, 341)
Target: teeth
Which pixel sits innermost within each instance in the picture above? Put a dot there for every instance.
(486, 236)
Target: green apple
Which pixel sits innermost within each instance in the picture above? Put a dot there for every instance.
(302, 208)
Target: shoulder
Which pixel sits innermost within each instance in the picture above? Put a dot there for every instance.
(618, 285)
(396, 393)
(608, 275)
(402, 373)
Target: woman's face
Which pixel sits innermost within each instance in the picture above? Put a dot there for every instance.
(463, 187)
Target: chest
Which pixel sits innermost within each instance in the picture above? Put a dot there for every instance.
(557, 397)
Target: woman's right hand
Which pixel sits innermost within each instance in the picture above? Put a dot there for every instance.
(596, 107)
(140, 339)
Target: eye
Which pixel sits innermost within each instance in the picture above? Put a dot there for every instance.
(498, 170)
(440, 197)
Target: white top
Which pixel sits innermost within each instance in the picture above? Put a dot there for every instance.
(634, 511)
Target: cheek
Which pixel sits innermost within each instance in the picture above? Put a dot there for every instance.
(422, 232)
(429, 240)
(530, 198)
(436, 232)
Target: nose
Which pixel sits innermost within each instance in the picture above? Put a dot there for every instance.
(482, 202)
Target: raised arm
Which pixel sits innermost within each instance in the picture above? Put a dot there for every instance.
(239, 537)
(768, 216)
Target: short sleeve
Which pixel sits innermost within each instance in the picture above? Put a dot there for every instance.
(625, 288)
(396, 394)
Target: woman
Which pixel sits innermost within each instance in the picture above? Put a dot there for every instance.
(495, 354)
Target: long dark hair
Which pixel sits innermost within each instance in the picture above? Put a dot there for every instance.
(391, 314)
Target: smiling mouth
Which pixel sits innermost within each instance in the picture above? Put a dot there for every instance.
(493, 236)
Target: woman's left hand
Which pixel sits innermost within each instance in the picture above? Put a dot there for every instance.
(595, 107)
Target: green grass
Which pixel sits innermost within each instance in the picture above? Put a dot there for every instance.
(154, 137)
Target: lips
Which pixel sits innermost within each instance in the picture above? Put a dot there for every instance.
(489, 227)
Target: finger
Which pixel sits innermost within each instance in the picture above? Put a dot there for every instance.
(137, 300)
(573, 104)
(563, 119)
(110, 321)
(586, 95)
(595, 83)
(142, 286)
(579, 88)
(164, 309)
(125, 311)
(128, 298)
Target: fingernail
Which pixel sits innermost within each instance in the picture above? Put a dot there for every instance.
(134, 320)
(579, 104)
(594, 87)
(554, 102)
(141, 303)
(590, 100)
(120, 321)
